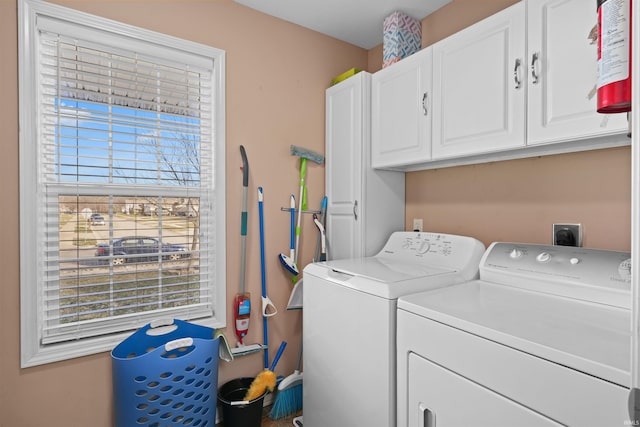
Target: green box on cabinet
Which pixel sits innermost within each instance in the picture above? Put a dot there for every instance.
(345, 75)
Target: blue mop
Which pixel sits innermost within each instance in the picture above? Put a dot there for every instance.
(268, 309)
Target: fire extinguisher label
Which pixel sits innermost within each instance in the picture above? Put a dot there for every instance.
(613, 52)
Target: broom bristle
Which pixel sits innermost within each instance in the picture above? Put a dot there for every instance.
(288, 402)
(265, 380)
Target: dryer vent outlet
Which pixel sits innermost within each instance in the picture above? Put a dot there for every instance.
(567, 234)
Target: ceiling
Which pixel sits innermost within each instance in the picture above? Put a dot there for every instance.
(358, 22)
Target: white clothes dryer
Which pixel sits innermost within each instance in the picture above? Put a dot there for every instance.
(349, 323)
(541, 339)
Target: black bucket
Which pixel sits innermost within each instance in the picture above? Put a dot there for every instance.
(247, 415)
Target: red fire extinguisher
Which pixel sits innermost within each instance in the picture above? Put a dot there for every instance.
(614, 56)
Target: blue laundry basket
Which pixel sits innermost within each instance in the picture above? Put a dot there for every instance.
(166, 374)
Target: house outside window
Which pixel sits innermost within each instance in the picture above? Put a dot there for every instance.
(121, 181)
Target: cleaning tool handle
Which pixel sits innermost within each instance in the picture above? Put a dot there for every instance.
(262, 261)
(263, 275)
(318, 223)
(323, 210)
(245, 184)
(245, 167)
(268, 309)
(293, 222)
(303, 168)
(278, 354)
(299, 222)
(303, 174)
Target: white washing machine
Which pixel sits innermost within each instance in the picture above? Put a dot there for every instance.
(349, 323)
(541, 339)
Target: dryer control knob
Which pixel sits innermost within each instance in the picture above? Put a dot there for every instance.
(543, 257)
(515, 253)
(624, 269)
(574, 261)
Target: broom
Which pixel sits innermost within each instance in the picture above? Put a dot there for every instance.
(265, 380)
(289, 397)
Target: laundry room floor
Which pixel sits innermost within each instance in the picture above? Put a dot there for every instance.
(287, 421)
(268, 422)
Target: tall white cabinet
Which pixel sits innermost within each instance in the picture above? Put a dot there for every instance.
(364, 205)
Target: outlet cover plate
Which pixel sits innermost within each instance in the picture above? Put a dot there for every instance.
(417, 224)
(575, 229)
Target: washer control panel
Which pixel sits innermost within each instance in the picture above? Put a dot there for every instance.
(423, 243)
(592, 274)
(447, 250)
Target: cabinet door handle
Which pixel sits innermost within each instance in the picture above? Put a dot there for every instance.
(425, 103)
(516, 74)
(355, 210)
(427, 417)
(534, 74)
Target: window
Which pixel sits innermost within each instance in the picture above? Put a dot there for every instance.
(122, 181)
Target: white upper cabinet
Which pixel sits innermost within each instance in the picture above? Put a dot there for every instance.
(562, 72)
(401, 112)
(519, 83)
(479, 87)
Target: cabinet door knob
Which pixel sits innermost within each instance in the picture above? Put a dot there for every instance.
(516, 73)
(425, 103)
(534, 73)
(355, 210)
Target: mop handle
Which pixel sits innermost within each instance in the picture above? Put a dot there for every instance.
(303, 173)
(261, 219)
(265, 334)
(278, 354)
(243, 225)
(292, 234)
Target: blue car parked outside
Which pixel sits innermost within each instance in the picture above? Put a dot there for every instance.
(140, 249)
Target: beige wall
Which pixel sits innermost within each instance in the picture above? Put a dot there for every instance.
(277, 74)
(519, 200)
(276, 77)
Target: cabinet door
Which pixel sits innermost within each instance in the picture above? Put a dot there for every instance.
(562, 74)
(479, 85)
(400, 112)
(343, 173)
(441, 398)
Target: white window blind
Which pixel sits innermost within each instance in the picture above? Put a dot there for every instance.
(125, 182)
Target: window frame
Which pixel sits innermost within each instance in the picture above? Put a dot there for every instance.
(33, 352)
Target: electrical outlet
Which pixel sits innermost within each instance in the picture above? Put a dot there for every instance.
(417, 224)
(567, 235)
